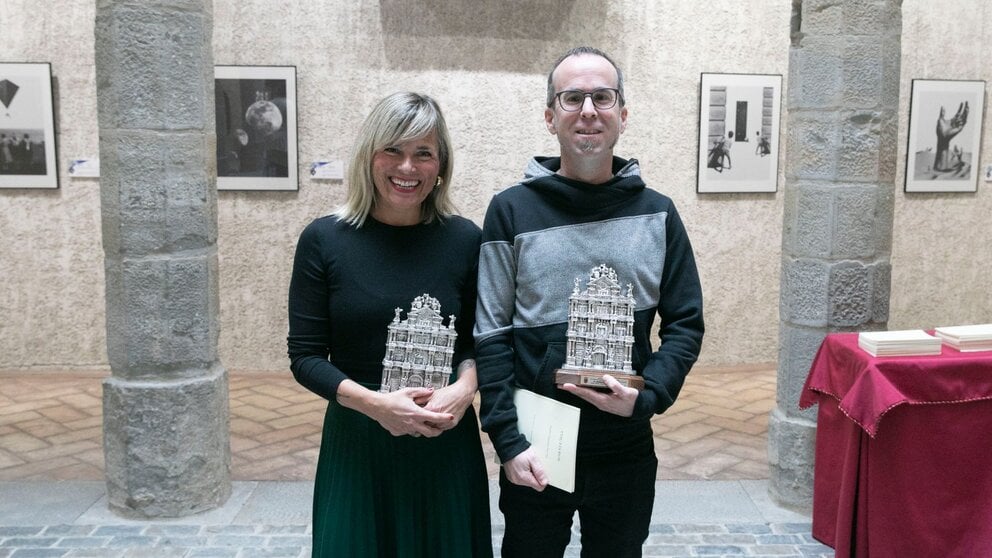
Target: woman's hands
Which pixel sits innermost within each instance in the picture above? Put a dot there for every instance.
(414, 411)
(454, 398)
(398, 411)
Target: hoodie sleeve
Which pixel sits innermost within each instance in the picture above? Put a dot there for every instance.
(494, 333)
(680, 308)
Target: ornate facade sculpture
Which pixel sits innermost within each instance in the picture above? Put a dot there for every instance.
(420, 348)
(600, 324)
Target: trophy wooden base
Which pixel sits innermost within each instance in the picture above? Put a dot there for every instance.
(594, 378)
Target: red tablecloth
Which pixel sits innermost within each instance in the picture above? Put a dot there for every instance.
(917, 485)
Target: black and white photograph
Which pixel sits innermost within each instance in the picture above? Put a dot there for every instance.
(739, 118)
(256, 127)
(945, 129)
(27, 127)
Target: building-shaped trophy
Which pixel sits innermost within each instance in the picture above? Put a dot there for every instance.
(600, 333)
(419, 349)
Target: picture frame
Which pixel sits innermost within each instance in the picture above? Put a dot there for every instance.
(256, 114)
(28, 154)
(943, 145)
(739, 121)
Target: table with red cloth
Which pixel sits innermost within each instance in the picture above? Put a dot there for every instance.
(918, 483)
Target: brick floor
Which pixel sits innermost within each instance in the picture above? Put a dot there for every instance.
(50, 426)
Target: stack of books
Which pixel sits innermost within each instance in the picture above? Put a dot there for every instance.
(967, 338)
(899, 343)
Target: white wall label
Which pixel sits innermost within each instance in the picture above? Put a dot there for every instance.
(327, 170)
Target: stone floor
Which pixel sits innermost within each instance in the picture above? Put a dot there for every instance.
(711, 492)
(50, 427)
(70, 519)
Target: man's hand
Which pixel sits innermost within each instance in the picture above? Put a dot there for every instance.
(526, 470)
(619, 400)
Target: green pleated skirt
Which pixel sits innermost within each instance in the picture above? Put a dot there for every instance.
(386, 496)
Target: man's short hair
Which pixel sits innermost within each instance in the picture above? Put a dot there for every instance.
(576, 52)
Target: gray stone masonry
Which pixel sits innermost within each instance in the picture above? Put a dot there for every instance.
(840, 166)
(165, 409)
(164, 442)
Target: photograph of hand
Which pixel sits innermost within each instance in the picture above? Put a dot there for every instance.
(944, 132)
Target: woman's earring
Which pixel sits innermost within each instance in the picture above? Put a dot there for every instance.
(438, 182)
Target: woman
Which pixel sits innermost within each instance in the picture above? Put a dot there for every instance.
(6, 155)
(400, 474)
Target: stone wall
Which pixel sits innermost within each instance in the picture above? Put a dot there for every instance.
(486, 63)
(940, 256)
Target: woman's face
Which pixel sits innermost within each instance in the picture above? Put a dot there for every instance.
(404, 175)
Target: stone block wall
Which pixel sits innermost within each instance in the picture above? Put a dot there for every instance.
(487, 66)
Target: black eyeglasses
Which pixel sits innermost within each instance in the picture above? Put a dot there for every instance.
(603, 98)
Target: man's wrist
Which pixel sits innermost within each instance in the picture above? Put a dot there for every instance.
(513, 449)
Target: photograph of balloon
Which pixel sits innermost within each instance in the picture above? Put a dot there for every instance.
(27, 127)
(945, 132)
(256, 127)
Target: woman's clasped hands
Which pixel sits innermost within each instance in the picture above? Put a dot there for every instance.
(401, 413)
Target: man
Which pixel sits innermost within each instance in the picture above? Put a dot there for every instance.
(569, 215)
(24, 154)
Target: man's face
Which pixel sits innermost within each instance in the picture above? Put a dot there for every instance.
(588, 131)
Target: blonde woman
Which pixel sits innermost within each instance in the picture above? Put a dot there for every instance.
(400, 474)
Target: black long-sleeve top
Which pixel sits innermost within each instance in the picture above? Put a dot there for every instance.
(348, 281)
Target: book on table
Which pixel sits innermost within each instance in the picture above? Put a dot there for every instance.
(967, 338)
(899, 343)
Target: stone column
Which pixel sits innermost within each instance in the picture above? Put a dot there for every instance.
(840, 167)
(165, 407)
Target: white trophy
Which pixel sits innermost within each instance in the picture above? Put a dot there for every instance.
(419, 349)
(600, 333)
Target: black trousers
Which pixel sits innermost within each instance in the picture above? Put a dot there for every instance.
(614, 498)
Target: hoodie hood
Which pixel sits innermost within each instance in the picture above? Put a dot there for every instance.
(540, 176)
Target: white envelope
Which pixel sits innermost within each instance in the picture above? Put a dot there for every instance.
(552, 428)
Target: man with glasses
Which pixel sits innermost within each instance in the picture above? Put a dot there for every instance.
(567, 216)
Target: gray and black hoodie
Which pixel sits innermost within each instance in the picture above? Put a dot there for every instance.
(538, 237)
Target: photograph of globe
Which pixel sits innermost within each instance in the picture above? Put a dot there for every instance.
(251, 128)
(264, 117)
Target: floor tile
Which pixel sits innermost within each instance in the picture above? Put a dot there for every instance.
(53, 430)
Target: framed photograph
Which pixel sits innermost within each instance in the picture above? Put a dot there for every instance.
(945, 133)
(739, 117)
(27, 127)
(256, 127)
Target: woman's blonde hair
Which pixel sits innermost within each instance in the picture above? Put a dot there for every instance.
(398, 118)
